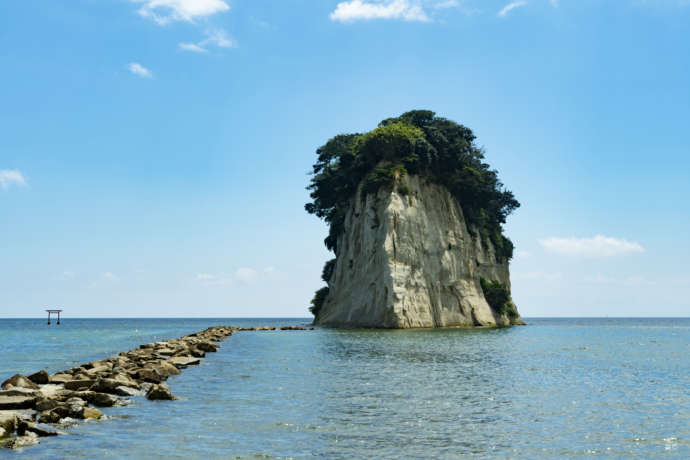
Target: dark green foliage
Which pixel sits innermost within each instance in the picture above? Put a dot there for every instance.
(419, 143)
(318, 300)
(327, 272)
(497, 296)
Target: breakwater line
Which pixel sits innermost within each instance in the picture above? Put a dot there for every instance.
(41, 405)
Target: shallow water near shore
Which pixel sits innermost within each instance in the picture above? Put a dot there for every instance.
(558, 387)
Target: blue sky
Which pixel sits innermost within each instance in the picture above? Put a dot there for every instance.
(154, 153)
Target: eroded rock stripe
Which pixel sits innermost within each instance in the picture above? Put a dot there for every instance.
(37, 405)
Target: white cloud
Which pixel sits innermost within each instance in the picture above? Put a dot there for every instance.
(10, 177)
(243, 275)
(193, 47)
(216, 37)
(165, 11)
(105, 279)
(511, 6)
(140, 70)
(445, 4)
(246, 275)
(355, 10)
(598, 246)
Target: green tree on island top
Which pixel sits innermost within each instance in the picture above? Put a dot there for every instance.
(419, 143)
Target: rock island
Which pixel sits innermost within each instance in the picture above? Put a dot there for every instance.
(415, 221)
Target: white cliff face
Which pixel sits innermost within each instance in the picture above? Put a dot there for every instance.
(409, 261)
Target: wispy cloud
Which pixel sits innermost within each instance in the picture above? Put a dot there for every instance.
(9, 177)
(105, 279)
(628, 281)
(541, 276)
(357, 10)
(193, 47)
(595, 247)
(166, 11)
(139, 70)
(554, 3)
(243, 275)
(510, 7)
(216, 37)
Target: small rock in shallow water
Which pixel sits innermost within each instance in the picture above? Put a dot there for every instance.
(29, 439)
(91, 412)
(25, 428)
(160, 392)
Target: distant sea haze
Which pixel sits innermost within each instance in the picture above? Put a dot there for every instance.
(555, 388)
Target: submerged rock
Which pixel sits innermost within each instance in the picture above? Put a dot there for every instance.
(30, 439)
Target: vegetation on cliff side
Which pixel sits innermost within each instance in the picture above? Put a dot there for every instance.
(497, 296)
(418, 143)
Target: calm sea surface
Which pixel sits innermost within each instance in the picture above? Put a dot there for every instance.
(617, 388)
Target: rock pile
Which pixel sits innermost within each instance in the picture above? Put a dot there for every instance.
(29, 405)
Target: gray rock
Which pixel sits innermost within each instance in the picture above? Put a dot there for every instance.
(82, 384)
(40, 378)
(17, 402)
(104, 400)
(167, 369)
(8, 421)
(19, 391)
(126, 391)
(61, 377)
(149, 374)
(76, 401)
(18, 380)
(41, 431)
(207, 346)
(160, 392)
(46, 404)
(182, 362)
(49, 416)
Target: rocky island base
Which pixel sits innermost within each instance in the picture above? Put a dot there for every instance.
(40, 404)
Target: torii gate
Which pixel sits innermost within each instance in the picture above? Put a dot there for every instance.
(54, 311)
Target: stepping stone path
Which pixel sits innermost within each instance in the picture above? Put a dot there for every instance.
(31, 406)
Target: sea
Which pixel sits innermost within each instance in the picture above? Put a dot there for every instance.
(556, 388)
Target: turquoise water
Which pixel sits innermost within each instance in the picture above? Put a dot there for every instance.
(614, 388)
